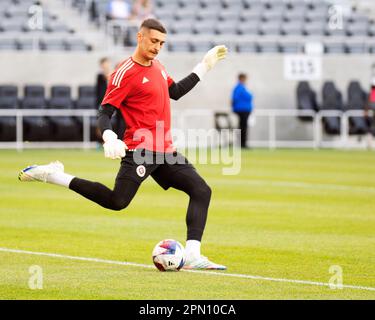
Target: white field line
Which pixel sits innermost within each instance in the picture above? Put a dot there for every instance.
(212, 273)
(295, 184)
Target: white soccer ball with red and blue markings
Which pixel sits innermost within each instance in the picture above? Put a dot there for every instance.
(168, 255)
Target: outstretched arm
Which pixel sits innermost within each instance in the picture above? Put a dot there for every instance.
(179, 89)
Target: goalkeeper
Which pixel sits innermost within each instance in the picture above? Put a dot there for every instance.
(140, 88)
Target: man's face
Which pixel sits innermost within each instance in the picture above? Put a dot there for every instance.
(150, 42)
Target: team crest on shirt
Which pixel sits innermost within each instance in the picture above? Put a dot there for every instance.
(164, 74)
(141, 171)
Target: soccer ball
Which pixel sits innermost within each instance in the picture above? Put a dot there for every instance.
(168, 255)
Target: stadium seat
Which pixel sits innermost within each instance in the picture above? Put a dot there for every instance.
(207, 15)
(316, 28)
(226, 27)
(8, 100)
(52, 44)
(290, 47)
(249, 27)
(335, 47)
(293, 28)
(8, 44)
(12, 25)
(269, 47)
(87, 100)
(64, 128)
(76, 45)
(181, 45)
(332, 100)
(201, 45)
(356, 47)
(247, 47)
(188, 14)
(182, 27)
(357, 99)
(204, 27)
(36, 128)
(306, 99)
(27, 44)
(270, 28)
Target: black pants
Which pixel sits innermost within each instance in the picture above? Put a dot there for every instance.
(181, 176)
(243, 118)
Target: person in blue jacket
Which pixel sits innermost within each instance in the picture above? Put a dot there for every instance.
(242, 105)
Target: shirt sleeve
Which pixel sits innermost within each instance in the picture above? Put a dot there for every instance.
(116, 94)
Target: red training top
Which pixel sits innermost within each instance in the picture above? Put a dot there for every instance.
(141, 94)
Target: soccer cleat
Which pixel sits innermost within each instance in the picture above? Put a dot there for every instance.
(40, 173)
(202, 263)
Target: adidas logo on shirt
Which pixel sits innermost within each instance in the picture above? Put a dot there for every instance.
(145, 80)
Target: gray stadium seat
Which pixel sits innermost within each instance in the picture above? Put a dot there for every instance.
(226, 27)
(335, 47)
(189, 3)
(247, 47)
(272, 16)
(269, 47)
(12, 25)
(356, 47)
(336, 32)
(249, 28)
(290, 47)
(64, 128)
(210, 4)
(76, 45)
(168, 4)
(313, 15)
(358, 29)
(27, 44)
(270, 28)
(8, 44)
(204, 27)
(201, 45)
(292, 28)
(36, 128)
(164, 14)
(182, 27)
(186, 14)
(316, 28)
(87, 100)
(209, 14)
(52, 44)
(179, 46)
(56, 26)
(229, 15)
(250, 15)
(254, 5)
(371, 30)
(8, 100)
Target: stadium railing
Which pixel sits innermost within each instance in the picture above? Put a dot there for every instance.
(186, 117)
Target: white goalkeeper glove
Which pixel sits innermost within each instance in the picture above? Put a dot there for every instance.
(113, 148)
(210, 59)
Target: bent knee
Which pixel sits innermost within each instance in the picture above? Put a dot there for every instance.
(119, 204)
(202, 191)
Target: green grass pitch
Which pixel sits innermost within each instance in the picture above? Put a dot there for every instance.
(289, 215)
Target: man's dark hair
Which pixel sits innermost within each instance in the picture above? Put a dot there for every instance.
(153, 24)
(242, 76)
